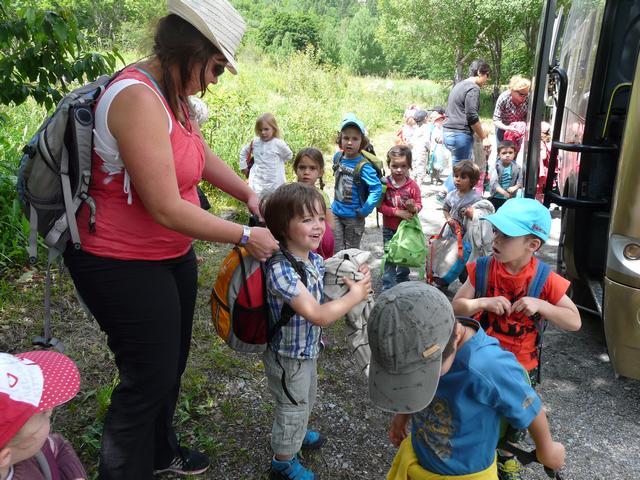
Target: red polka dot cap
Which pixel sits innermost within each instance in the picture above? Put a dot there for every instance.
(30, 383)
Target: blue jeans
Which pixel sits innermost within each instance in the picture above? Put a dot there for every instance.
(392, 273)
(460, 144)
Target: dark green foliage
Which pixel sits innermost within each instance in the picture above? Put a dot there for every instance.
(296, 31)
(42, 53)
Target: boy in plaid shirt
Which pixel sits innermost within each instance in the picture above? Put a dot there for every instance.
(295, 214)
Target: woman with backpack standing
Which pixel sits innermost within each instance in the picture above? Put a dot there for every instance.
(136, 269)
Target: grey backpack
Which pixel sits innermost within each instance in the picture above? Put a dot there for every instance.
(54, 177)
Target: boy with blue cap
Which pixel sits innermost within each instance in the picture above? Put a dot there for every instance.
(357, 184)
(512, 293)
(453, 382)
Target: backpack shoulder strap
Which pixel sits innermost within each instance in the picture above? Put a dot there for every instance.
(337, 157)
(483, 264)
(286, 313)
(539, 279)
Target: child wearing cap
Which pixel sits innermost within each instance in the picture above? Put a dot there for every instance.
(453, 382)
(356, 194)
(503, 303)
(31, 385)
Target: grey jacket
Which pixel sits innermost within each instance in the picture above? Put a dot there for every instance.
(496, 174)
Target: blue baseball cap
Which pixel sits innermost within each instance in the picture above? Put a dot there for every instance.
(522, 216)
(349, 120)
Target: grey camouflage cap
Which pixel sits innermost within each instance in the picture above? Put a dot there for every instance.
(409, 327)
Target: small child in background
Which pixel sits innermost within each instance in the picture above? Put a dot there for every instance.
(295, 215)
(401, 201)
(404, 136)
(31, 385)
(458, 203)
(481, 153)
(545, 155)
(356, 194)
(439, 155)
(419, 146)
(268, 152)
(506, 177)
(309, 169)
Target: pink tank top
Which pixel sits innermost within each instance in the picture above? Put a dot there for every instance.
(127, 231)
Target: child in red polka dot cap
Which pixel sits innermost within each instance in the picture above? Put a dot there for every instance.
(31, 385)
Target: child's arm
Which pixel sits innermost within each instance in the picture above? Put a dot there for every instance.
(285, 152)
(398, 428)
(243, 160)
(563, 314)
(325, 314)
(368, 175)
(549, 453)
(466, 306)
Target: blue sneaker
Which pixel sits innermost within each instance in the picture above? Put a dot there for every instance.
(289, 470)
(313, 440)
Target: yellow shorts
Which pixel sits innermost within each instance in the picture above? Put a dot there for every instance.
(406, 467)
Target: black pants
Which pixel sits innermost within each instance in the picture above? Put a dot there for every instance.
(146, 309)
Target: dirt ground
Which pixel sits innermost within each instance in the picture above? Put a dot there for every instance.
(225, 409)
(594, 414)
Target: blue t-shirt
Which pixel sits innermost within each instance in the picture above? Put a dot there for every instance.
(347, 202)
(505, 181)
(457, 433)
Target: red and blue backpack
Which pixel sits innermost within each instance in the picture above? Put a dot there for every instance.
(483, 266)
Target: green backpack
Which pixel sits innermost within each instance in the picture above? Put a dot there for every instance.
(408, 246)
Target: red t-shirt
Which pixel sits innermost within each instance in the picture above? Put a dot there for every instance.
(516, 332)
(128, 231)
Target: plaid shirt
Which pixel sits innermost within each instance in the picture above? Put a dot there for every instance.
(299, 338)
(507, 113)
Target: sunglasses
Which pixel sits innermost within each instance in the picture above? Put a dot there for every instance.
(525, 94)
(219, 69)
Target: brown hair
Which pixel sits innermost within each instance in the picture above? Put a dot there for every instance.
(268, 119)
(448, 348)
(315, 155)
(363, 144)
(506, 144)
(399, 151)
(179, 44)
(467, 168)
(288, 201)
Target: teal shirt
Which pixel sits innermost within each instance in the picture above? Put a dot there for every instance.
(505, 181)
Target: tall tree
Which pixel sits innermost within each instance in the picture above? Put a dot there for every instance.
(42, 52)
(361, 52)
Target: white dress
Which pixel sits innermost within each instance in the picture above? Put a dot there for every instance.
(267, 172)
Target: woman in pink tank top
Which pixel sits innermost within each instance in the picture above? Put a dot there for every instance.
(136, 270)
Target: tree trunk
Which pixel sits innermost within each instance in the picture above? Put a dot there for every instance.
(459, 73)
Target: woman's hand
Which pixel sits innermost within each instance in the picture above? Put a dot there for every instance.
(261, 244)
(253, 204)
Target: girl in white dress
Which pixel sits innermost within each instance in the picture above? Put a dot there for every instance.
(262, 160)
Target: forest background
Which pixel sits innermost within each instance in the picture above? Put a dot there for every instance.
(373, 57)
(307, 61)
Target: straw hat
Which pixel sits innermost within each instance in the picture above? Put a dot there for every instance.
(215, 19)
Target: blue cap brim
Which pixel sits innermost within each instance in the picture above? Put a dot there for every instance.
(505, 225)
(353, 124)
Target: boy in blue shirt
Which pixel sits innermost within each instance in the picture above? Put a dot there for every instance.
(454, 382)
(356, 194)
